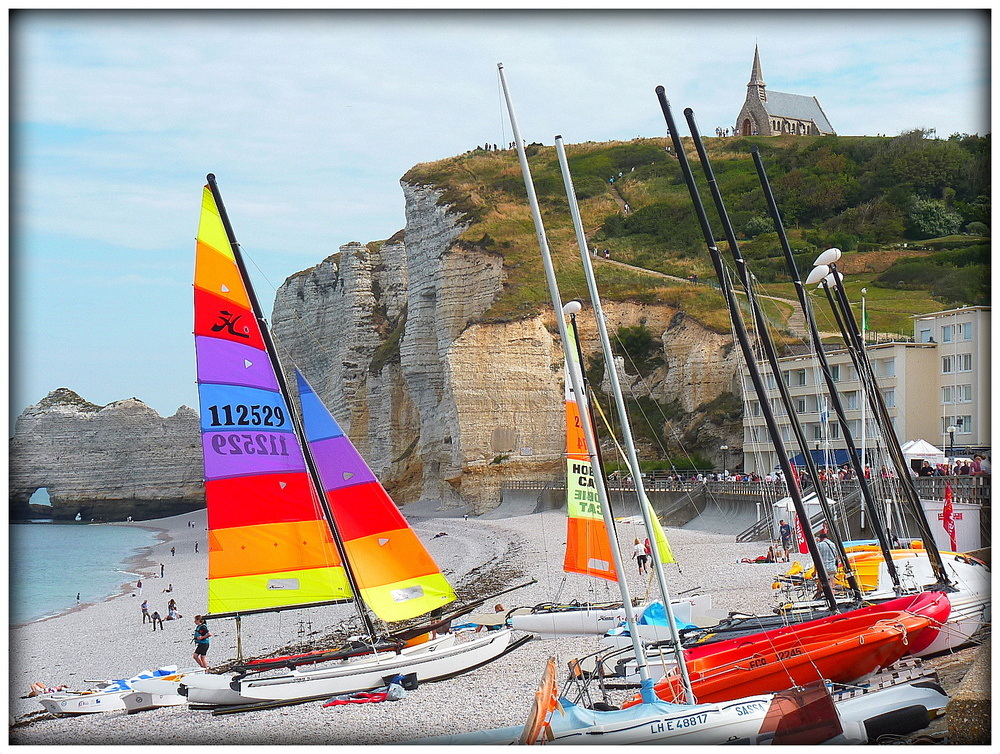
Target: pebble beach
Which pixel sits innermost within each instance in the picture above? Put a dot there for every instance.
(109, 640)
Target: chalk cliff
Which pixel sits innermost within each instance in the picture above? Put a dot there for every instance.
(104, 462)
(447, 406)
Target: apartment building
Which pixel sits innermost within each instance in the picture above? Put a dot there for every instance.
(938, 382)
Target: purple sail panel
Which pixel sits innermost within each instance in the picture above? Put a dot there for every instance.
(231, 454)
(339, 463)
(225, 362)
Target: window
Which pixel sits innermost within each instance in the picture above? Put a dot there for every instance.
(966, 330)
(755, 408)
(947, 365)
(964, 362)
(799, 377)
(962, 424)
(946, 332)
(835, 372)
(886, 367)
(956, 394)
(834, 431)
(771, 384)
(817, 431)
(889, 397)
(925, 336)
(800, 405)
(851, 400)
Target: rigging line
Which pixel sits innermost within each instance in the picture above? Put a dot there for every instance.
(656, 435)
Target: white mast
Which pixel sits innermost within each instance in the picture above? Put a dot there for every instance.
(648, 694)
(633, 459)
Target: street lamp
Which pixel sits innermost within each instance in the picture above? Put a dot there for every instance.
(951, 430)
(725, 456)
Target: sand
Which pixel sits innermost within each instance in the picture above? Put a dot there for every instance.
(109, 640)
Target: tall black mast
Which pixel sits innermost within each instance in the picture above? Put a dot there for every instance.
(272, 352)
(748, 355)
(859, 355)
(824, 363)
(764, 336)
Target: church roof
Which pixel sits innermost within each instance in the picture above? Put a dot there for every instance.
(799, 107)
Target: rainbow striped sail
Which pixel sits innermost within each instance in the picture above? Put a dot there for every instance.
(588, 550)
(269, 545)
(397, 577)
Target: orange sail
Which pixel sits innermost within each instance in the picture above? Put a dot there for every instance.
(588, 550)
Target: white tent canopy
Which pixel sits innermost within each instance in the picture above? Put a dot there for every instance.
(922, 450)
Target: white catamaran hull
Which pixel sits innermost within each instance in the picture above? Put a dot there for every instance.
(428, 661)
(970, 603)
(596, 620)
(81, 704)
(137, 701)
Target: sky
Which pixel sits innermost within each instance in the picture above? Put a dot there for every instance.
(309, 120)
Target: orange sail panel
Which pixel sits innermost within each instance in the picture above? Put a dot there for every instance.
(397, 577)
(588, 550)
(269, 544)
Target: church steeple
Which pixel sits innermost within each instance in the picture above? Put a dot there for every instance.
(756, 83)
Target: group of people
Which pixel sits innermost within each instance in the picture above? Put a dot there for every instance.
(155, 618)
(978, 466)
(643, 553)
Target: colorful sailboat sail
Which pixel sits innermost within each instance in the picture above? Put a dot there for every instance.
(588, 550)
(269, 545)
(399, 579)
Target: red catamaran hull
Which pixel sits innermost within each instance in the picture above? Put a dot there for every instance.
(842, 648)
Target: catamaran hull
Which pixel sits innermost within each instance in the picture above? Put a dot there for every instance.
(137, 701)
(83, 704)
(428, 663)
(587, 620)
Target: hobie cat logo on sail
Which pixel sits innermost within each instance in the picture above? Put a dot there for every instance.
(228, 322)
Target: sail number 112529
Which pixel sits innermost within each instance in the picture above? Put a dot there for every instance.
(241, 415)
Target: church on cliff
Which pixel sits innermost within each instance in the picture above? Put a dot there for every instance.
(767, 113)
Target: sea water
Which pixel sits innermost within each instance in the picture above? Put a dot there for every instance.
(51, 563)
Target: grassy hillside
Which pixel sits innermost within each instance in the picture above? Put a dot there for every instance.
(911, 214)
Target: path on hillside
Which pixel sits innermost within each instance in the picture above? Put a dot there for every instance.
(796, 322)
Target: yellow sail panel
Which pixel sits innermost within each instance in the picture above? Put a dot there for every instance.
(236, 594)
(211, 230)
(408, 598)
(662, 545)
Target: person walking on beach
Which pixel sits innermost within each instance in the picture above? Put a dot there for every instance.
(831, 561)
(639, 553)
(201, 638)
(138, 586)
(785, 532)
(161, 570)
(145, 611)
(173, 550)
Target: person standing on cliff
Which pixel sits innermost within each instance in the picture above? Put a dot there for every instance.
(201, 640)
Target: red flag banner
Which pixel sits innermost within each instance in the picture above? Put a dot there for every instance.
(948, 517)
